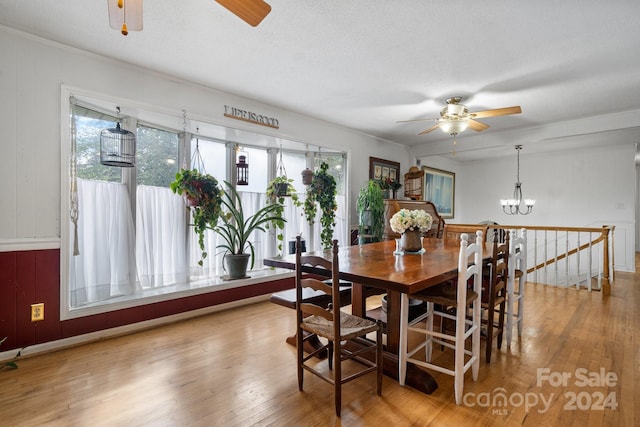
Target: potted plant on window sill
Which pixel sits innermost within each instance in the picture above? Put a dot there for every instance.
(323, 191)
(236, 229)
(370, 206)
(279, 188)
(202, 194)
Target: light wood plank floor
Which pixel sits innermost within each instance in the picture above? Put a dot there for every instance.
(233, 368)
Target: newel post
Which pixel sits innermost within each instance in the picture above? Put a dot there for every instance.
(606, 286)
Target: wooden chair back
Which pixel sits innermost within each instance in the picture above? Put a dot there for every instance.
(494, 294)
(452, 232)
(306, 308)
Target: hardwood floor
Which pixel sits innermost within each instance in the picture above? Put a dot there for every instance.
(233, 368)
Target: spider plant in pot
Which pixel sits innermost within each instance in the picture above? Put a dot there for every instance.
(370, 206)
(202, 195)
(235, 229)
(278, 190)
(323, 191)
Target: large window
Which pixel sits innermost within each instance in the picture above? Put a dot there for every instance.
(132, 233)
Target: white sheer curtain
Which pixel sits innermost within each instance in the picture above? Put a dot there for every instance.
(296, 223)
(340, 231)
(161, 241)
(264, 243)
(105, 267)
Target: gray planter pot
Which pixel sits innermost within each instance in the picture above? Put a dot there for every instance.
(237, 265)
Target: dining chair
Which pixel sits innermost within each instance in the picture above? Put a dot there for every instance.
(459, 297)
(517, 273)
(336, 327)
(494, 294)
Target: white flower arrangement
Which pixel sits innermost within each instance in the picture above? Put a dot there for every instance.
(406, 219)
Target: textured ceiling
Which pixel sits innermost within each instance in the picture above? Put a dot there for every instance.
(573, 65)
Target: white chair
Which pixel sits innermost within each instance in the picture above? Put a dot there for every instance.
(447, 297)
(517, 273)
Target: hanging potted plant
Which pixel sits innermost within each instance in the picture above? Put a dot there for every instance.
(279, 188)
(235, 229)
(202, 194)
(323, 191)
(370, 206)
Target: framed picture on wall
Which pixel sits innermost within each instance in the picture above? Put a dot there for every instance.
(440, 189)
(382, 169)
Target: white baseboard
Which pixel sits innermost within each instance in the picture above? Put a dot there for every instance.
(36, 349)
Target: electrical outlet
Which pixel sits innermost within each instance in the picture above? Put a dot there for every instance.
(37, 312)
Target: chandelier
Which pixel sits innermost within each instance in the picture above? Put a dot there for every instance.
(517, 205)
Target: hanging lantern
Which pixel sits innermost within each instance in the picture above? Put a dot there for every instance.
(118, 147)
(307, 176)
(242, 171)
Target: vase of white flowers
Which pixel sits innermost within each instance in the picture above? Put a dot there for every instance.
(411, 224)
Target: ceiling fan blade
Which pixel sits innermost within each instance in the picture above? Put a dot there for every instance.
(436, 126)
(497, 112)
(250, 11)
(415, 120)
(477, 126)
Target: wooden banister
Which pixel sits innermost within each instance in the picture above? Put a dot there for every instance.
(604, 237)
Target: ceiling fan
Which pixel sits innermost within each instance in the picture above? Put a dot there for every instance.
(455, 117)
(127, 15)
(250, 11)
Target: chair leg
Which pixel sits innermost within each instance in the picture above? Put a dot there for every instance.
(501, 315)
(520, 305)
(403, 345)
(300, 356)
(331, 351)
(458, 382)
(337, 375)
(510, 297)
(428, 348)
(475, 339)
(379, 358)
(490, 318)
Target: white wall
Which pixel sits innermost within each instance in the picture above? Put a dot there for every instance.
(589, 187)
(32, 72)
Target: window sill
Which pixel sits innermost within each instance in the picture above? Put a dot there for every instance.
(167, 293)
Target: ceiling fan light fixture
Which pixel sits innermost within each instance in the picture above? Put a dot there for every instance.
(454, 126)
(125, 15)
(458, 110)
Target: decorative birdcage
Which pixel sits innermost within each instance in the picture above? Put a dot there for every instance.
(118, 146)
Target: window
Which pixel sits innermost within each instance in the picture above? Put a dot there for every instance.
(133, 235)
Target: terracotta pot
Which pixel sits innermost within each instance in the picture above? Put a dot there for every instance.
(189, 200)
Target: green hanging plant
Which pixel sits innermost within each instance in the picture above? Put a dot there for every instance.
(279, 188)
(370, 206)
(202, 194)
(323, 191)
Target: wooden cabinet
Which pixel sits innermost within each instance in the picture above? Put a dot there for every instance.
(413, 183)
(392, 206)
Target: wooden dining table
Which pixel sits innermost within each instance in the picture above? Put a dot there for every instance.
(376, 265)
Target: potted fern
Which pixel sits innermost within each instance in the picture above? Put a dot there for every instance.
(370, 206)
